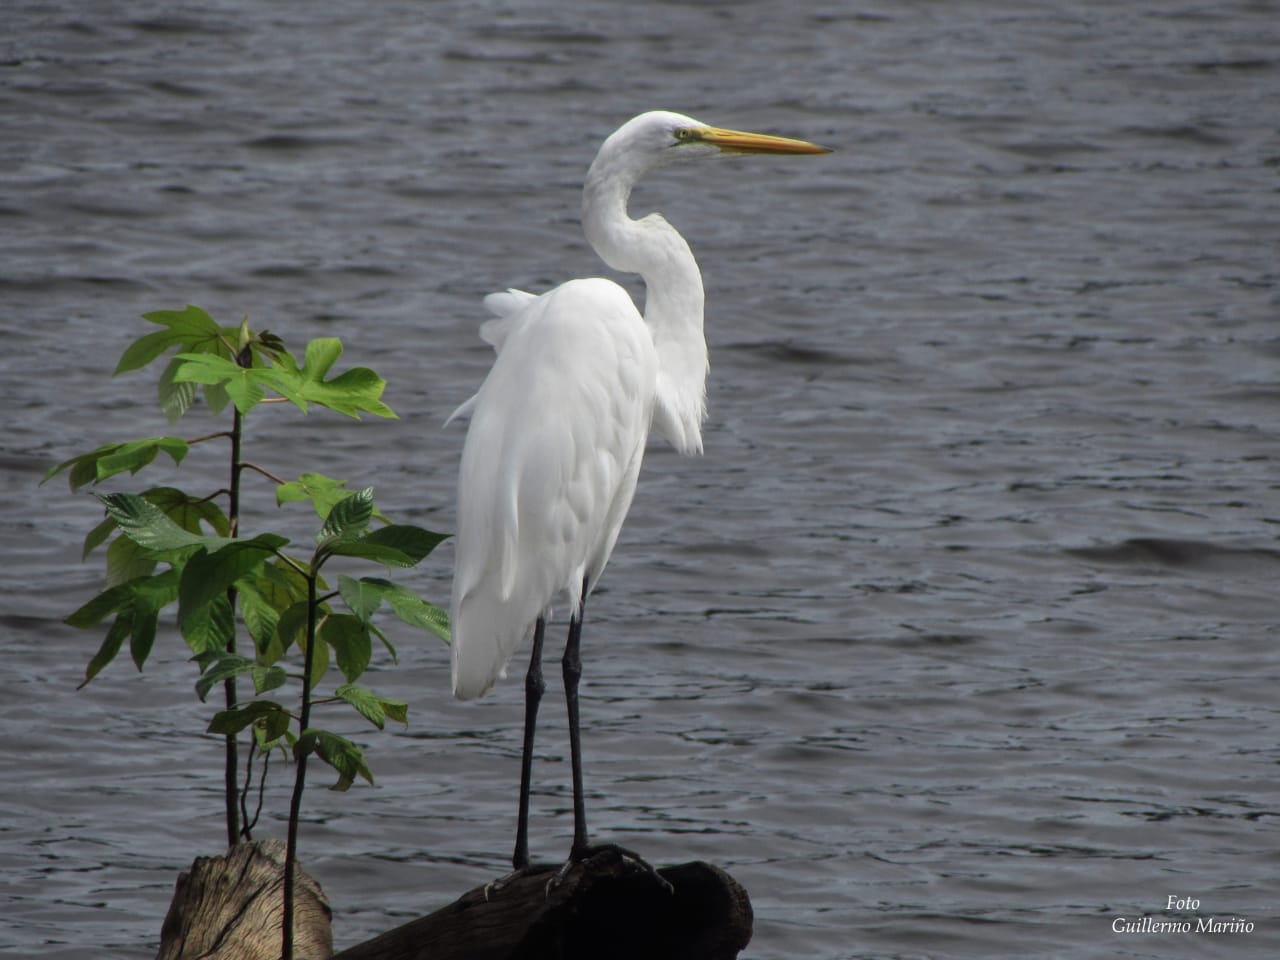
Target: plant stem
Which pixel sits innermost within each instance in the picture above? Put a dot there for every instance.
(229, 686)
(300, 778)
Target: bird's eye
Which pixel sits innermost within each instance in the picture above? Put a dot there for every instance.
(685, 134)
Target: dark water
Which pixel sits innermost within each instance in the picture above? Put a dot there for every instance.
(960, 640)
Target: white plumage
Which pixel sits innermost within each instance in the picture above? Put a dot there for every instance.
(558, 427)
(551, 459)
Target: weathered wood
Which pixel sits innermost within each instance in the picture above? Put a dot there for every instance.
(231, 908)
(608, 906)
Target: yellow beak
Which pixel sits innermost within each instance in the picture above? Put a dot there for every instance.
(739, 141)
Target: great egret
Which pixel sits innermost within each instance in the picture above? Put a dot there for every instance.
(558, 427)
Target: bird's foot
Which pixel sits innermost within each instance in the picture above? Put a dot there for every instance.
(590, 851)
(501, 883)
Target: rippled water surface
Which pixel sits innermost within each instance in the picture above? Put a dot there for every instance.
(959, 641)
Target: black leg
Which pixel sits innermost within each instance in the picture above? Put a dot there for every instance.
(582, 849)
(533, 687)
(572, 667)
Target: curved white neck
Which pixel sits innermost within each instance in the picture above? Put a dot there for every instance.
(654, 249)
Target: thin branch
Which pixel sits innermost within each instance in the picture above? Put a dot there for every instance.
(209, 436)
(298, 567)
(246, 465)
(245, 825)
(262, 787)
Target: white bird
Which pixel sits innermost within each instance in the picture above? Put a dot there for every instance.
(558, 427)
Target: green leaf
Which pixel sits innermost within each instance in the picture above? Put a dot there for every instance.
(396, 710)
(219, 666)
(320, 356)
(266, 715)
(111, 645)
(258, 613)
(246, 386)
(186, 511)
(351, 393)
(364, 597)
(209, 628)
(351, 644)
(138, 603)
(136, 454)
(175, 398)
(216, 397)
(320, 659)
(323, 492)
(282, 376)
(222, 665)
(414, 542)
(208, 575)
(282, 584)
(149, 595)
(142, 638)
(267, 678)
(397, 545)
(365, 701)
(148, 526)
(292, 624)
(416, 612)
(373, 628)
(154, 593)
(361, 549)
(146, 349)
(356, 391)
(268, 345)
(100, 607)
(189, 329)
(97, 536)
(189, 512)
(339, 752)
(127, 561)
(113, 458)
(373, 708)
(349, 517)
(266, 745)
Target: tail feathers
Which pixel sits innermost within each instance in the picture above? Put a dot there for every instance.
(464, 410)
(508, 301)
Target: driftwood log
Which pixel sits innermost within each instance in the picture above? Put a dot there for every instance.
(231, 908)
(607, 906)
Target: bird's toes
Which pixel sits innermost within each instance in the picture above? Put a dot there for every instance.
(591, 851)
(494, 887)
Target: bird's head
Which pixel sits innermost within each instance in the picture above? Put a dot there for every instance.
(652, 140)
(660, 137)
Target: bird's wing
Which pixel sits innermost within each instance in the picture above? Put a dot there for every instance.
(548, 467)
(506, 307)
